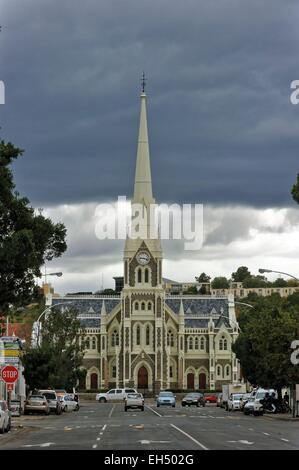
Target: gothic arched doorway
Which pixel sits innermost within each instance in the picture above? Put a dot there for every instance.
(202, 380)
(190, 381)
(142, 377)
(94, 381)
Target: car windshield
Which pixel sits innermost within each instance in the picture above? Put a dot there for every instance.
(50, 396)
(237, 397)
(166, 394)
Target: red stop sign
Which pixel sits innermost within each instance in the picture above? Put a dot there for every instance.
(10, 374)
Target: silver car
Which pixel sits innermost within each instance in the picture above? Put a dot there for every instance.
(5, 417)
(36, 404)
(134, 400)
(53, 400)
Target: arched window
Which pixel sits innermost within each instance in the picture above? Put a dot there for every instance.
(225, 344)
(147, 335)
(136, 305)
(94, 342)
(202, 344)
(146, 275)
(196, 343)
(227, 371)
(142, 305)
(190, 343)
(170, 339)
(87, 342)
(139, 275)
(221, 344)
(218, 371)
(138, 335)
(115, 339)
(149, 305)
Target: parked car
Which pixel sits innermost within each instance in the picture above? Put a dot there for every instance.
(75, 397)
(210, 398)
(244, 400)
(16, 408)
(53, 400)
(196, 399)
(255, 403)
(166, 398)
(219, 400)
(37, 404)
(115, 394)
(5, 417)
(134, 400)
(234, 402)
(68, 403)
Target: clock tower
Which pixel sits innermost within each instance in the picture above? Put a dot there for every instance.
(143, 294)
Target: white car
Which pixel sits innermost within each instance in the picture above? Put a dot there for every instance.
(68, 403)
(115, 394)
(234, 402)
(255, 403)
(134, 400)
(5, 417)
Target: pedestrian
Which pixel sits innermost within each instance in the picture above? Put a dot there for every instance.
(286, 398)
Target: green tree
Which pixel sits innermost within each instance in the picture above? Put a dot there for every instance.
(27, 239)
(295, 190)
(220, 283)
(264, 344)
(57, 361)
(280, 282)
(255, 281)
(203, 277)
(190, 291)
(241, 274)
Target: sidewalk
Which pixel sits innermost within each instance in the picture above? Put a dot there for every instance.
(282, 417)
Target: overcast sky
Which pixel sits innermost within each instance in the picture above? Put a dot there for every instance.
(223, 131)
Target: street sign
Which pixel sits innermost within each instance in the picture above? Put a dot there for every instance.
(10, 387)
(10, 374)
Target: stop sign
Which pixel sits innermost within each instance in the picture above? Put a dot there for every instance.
(10, 374)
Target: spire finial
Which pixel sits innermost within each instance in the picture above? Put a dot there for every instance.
(143, 82)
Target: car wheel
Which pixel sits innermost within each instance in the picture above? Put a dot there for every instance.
(2, 429)
(77, 408)
(158, 405)
(183, 404)
(102, 400)
(173, 406)
(126, 409)
(197, 405)
(65, 408)
(142, 408)
(8, 426)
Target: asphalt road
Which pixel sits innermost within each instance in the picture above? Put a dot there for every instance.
(108, 427)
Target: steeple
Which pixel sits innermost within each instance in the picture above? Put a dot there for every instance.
(143, 181)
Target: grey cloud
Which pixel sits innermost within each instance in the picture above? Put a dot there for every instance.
(222, 128)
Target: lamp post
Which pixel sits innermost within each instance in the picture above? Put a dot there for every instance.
(262, 271)
(43, 313)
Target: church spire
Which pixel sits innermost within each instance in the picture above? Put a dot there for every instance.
(143, 181)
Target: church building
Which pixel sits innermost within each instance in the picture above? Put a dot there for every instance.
(144, 337)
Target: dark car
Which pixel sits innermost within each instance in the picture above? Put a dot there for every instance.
(196, 399)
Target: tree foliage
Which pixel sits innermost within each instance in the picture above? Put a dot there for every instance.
(264, 344)
(220, 282)
(57, 361)
(27, 238)
(295, 190)
(203, 277)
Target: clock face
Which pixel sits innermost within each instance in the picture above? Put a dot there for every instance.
(143, 257)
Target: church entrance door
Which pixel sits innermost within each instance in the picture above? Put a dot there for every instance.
(202, 381)
(142, 377)
(190, 381)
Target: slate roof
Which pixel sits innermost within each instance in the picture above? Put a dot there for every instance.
(89, 305)
(199, 306)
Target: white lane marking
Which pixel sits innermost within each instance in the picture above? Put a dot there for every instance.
(144, 441)
(243, 442)
(112, 409)
(94, 446)
(285, 440)
(104, 427)
(154, 411)
(190, 437)
(46, 444)
(266, 433)
(98, 439)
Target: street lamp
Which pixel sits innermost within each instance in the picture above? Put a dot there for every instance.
(43, 313)
(263, 270)
(243, 303)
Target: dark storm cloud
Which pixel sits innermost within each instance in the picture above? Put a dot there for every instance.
(222, 128)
